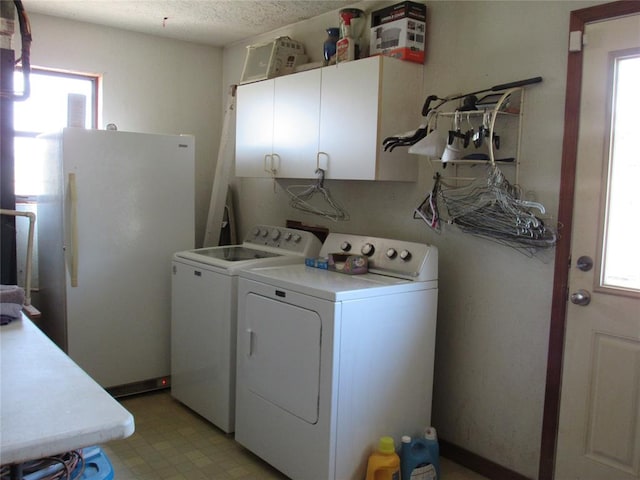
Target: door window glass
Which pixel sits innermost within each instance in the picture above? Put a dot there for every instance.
(620, 256)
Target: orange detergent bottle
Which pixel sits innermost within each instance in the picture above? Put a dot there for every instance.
(384, 463)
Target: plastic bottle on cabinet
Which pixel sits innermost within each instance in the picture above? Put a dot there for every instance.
(384, 463)
(351, 28)
(420, 458)
(329, 46)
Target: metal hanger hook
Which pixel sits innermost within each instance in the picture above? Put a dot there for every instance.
(320, 173)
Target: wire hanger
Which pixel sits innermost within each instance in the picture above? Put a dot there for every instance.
(491, 208)
(301, 194)
(428, 209)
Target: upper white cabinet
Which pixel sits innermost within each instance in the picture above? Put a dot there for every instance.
(277, 126)
(333, 118)
(254, 128)
(362, 103)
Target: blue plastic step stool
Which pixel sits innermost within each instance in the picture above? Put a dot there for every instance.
(96, 465)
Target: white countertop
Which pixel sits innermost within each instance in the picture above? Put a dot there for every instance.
(49, 405)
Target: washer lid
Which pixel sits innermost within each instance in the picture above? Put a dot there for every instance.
(228, 257)
(264, 244)
(234, 253)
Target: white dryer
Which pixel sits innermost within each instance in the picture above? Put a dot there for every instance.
(203, 315)
(329, 362)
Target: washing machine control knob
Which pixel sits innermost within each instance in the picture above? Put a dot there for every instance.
(264, 233)
(256, 232)
(405, 255)
(392, 253)
(368, 249)
(287, 236)
(345, 246)
(296, 238)
(275, 234)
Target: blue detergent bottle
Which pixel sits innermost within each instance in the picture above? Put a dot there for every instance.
(420, 457)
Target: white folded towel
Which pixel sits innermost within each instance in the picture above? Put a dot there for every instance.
(11, 302)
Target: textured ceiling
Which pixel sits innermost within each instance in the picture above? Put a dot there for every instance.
(213, 22)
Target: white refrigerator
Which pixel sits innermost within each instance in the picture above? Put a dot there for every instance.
(116, 206)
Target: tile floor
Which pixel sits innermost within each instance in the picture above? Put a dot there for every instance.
(173, 443)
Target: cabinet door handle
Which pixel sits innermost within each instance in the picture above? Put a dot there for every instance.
(73, 221)
(250, 334)
(275, 163)
(322, 165)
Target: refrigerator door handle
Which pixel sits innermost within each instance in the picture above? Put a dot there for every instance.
(73, 223)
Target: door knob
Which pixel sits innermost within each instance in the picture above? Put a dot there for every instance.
(581, 297)
(584, 263)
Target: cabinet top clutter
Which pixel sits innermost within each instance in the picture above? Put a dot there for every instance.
(272, 59)
(333, 118)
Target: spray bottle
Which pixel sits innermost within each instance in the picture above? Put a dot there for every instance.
(348, 47)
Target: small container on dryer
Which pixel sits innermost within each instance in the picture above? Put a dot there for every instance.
(317, 262)
(349, 264)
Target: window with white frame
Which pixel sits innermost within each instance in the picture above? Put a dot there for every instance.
(57, 100)
(54, 99)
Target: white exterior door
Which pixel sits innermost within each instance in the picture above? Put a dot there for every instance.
(599, 432)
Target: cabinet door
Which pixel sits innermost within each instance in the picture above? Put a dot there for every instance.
(295, 124)
(254, 129)
(349, 119)
(334, 118)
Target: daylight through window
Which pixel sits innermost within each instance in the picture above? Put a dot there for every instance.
(47, 109)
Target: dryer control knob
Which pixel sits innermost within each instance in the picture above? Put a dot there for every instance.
(264, 233)
(287, 236)
(296, 238)
(392, 253)
(368, 249)
(405, 255)
(345, 246)
(256, 232)
(275, 234)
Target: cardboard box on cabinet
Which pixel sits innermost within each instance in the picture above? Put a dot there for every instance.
(400, 31)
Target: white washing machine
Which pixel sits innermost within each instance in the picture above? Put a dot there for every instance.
(329, 362)
(203, 315)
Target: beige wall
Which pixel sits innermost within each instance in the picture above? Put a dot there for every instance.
(494, 302)
(150, 84)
